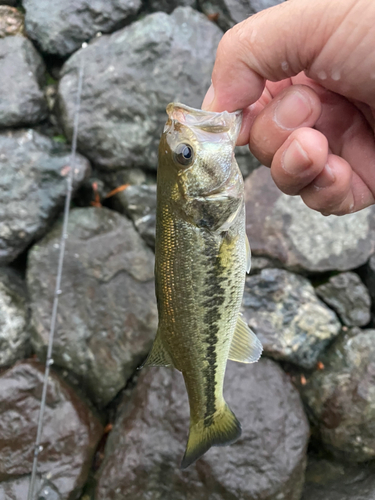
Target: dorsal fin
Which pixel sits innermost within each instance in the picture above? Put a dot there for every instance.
(245, 347)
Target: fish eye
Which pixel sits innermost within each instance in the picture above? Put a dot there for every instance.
(184, 154)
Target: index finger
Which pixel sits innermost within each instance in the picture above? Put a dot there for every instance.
(274, 44)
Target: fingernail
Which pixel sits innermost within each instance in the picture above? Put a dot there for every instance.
(209, 97)
(325, 179)
(295, 159)
(293, 110)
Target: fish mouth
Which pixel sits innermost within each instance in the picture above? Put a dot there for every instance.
(207, 121)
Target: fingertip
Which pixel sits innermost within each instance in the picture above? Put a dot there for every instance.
(299, 160)
(330, 192)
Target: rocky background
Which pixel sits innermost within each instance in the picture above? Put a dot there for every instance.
(112, 432)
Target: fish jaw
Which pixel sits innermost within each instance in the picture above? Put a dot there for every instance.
(207, 122)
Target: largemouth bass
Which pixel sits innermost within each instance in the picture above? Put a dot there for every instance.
(202, 255)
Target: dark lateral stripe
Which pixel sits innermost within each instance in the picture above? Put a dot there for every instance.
(215, 293)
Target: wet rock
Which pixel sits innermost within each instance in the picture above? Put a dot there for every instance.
(282, 227)
(14, 318)
(328, 480)
(149, 437)
(341, 397)
(123, 107)
(70, 434)
(21, 97)
(17, 489)
(11, 21)
(246, 161)
(230, 12)
(107, 310)
(115, 179)
(33, 171)
(348, 296)
(290, 321)
(60, 27)
(139, 203)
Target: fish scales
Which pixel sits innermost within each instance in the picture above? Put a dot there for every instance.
(201, 262)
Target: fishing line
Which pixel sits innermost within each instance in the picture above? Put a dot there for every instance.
(64, 234)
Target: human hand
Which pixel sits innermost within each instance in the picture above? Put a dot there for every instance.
(304, 73)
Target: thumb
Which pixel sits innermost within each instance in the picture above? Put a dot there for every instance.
(274, 44)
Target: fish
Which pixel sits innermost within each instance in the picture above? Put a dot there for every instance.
(202, 255)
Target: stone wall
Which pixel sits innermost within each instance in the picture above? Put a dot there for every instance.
(112, 432)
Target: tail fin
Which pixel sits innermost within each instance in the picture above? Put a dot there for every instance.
(223, 429)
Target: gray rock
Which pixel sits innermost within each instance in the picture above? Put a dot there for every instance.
(230, 12)
(14, 318)
(60, 26)
(11, 21)
(21, 97)
(349, 297)
(148, 440)
(107, 310)
(70, 435)
(290, 321)
(17, 489)
(328, 480)
(246, 160)
(282, 227)
(116, 178)
(33, 171)
(130, 77)
(139, 203)
(341, 397)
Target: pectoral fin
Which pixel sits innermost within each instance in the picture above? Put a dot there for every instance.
(245, 347)
(158, 355)
(248, 256)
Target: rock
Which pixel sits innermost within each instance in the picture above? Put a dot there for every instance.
(349, 297)
(130, 77)
(11, 21)
(70, 434)
(246, 161)
(341, 397)
(17, 489)
(33, 171)
(14, 318)
(107, 310)
(139, 203)
(328, 480)
(60, 27)
(21, 97)
(282, 227)
(230, 12)
(149, 437)
(290, 321)
(116, 178)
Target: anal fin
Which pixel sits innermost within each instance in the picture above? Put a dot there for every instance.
(245, 347)
(158, 356)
